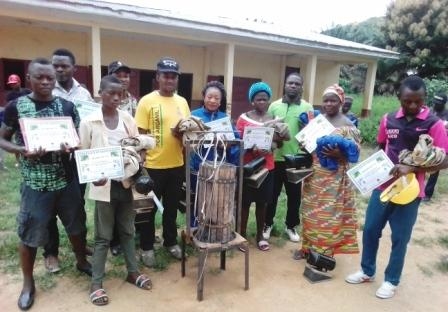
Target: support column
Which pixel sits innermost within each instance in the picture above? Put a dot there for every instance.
(206, 68)
(369, 88)
(310, 78)
(228, 75)
(281, 81)
(96, 59)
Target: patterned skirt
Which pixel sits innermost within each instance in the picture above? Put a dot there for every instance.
(328, 214)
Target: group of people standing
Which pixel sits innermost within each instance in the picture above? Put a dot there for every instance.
(51, 187)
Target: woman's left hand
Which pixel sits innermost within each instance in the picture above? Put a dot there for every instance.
(332, 152)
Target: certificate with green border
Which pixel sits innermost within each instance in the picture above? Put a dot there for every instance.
(48, 133)
(99, 163)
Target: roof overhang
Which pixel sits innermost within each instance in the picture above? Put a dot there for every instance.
(153, 22)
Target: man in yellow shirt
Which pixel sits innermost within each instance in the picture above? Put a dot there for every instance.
(157, 113)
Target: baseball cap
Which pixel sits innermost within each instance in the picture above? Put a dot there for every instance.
(117, 66)
(13, 79)
(168, 65)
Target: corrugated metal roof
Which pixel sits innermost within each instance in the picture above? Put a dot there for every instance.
(221, 27)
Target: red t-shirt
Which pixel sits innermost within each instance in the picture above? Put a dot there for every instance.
(243, 122)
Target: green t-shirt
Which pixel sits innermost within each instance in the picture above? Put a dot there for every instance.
(291, 114)
(52, 171)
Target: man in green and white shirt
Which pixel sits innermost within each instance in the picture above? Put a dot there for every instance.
(289, 107)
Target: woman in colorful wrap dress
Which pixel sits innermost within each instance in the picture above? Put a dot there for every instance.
(328, 207)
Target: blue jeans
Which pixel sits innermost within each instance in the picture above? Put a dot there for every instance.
(431, 184)
(401, 220)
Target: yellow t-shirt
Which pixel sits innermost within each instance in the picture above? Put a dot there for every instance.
(158, 114)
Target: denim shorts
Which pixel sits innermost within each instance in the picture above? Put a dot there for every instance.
(38, 207)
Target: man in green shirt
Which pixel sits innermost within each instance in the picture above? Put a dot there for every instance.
(289, 107)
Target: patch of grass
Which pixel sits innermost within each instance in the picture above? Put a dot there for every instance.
(277, 234)
(9, 203)
(442, 265)
(425, 270)
(442, 183)
(437, 220)
(45, 280)
(424, 241)
(9, 260)
(278, 241)
(443, 241)
(214, 271)
(380, 106)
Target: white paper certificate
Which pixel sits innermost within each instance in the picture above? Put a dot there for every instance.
(261, 137)
(316, 128)
(371, 173)
(223, 127)
(98, 163)
(48, 133)
(85, 108)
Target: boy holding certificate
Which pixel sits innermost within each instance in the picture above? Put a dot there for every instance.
(113, 202)
(398, 131)
(48, 187)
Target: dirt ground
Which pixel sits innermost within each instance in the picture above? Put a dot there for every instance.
(276, 282)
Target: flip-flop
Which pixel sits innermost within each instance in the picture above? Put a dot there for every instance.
(99, 297)
(243, 248)
(52, 264)
(299, 254)
(142, 281)
(263, 245)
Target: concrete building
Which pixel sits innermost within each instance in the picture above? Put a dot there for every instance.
(235, 52)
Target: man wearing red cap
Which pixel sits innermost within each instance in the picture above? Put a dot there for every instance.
(14, 82)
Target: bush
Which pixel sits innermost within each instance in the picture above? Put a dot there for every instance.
(380, 106)
(434, 86)
(369, 130)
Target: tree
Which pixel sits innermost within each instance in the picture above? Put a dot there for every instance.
(367, 32)
(352, 77)
(418, 29)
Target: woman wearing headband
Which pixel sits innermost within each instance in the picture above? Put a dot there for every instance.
(328, 207)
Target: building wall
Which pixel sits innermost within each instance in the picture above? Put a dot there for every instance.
(249, 64)
(327, 73)
(145, 55)
(22, 42)
(30, 42)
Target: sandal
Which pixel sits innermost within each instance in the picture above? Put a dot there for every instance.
(52, 264)
(99, 297)
(299, 254)
(142, 281)
(243, 248)
(263, 245)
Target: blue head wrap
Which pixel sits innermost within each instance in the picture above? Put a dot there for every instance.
(257, 88)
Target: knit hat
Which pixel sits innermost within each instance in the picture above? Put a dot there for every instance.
(257, 88)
